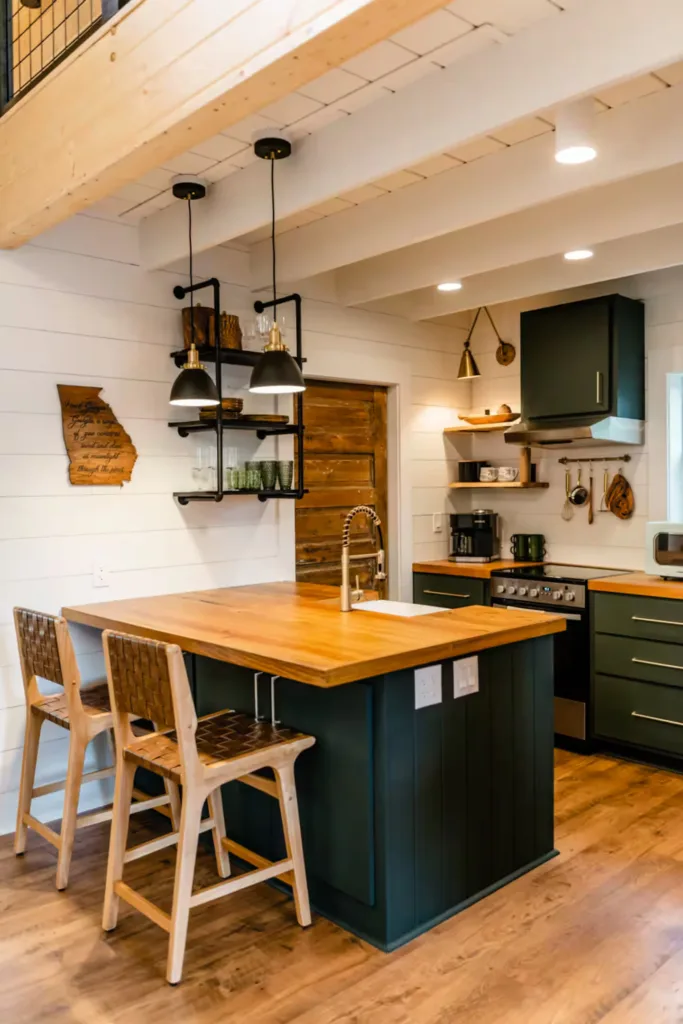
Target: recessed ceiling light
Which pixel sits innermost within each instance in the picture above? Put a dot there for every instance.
(578, 254)
(449, 286)
(575, 132)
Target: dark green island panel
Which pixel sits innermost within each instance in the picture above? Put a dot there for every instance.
(408, 816)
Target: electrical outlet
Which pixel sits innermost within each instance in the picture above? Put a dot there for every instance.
(465, 676)
(437, 523)
(428, 686)
(100, 576)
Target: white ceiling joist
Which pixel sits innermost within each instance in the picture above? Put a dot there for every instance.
(597, 43)
(632, 139)
(161, 75)
(622, 258)
(580, 221)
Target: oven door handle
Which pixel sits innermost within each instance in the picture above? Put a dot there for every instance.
(543, 611)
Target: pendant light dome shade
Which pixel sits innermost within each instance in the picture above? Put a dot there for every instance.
(193, 387)
(468, 367)
(276, 373)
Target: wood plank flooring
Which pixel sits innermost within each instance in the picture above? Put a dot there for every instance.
(594, 935)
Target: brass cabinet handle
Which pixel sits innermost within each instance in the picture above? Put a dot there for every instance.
(657, 664)
(443, 593)
(598, 388)
(653, 718)
(658, 622)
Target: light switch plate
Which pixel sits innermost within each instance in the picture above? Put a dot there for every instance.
(428, 689)
(465, 676)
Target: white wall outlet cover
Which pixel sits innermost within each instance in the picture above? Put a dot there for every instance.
(437, 522)
(100, 576)
(428, 688)
(465, 676)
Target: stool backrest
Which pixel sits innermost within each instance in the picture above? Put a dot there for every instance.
(46, 652)
(38, 647)
(148, 679)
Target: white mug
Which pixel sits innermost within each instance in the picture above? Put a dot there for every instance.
(508, 473)
(488, 474)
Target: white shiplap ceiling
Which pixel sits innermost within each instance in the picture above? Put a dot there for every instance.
(462, 27)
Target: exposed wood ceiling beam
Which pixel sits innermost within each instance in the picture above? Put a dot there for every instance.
(584, 220)
(622, 258)
(160, 76)
(597, 43)
(631, 139)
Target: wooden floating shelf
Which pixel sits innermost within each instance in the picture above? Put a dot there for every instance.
(482, 428)
(498, 483)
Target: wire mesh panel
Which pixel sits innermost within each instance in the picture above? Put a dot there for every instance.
(40, 36)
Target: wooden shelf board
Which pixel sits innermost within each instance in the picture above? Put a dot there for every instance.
(483, 428)
(497, 483)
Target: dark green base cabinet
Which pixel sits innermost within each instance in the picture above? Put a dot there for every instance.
(407, 815)
(638, 674)
(449, 591)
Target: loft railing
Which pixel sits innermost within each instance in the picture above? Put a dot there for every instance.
(35, 35)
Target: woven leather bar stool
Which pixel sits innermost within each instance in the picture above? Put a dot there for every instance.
(149, 679)
(46, 652)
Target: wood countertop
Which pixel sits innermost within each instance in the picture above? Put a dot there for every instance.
(296, 630)
(638, 584)
(476, 570)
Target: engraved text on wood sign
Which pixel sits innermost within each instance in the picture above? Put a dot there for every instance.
(100, 451)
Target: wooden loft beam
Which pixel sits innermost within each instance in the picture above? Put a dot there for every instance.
(160, 76)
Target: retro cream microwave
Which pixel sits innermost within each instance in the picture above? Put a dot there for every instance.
(664, 549)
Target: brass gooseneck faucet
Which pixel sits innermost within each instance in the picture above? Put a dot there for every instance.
(348, 596)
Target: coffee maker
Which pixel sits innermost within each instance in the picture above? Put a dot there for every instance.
(474, 536)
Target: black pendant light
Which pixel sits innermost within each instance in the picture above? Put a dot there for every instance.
(276, 373)
(193, 386)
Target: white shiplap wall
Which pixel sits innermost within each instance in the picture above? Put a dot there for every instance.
(608, 541)
(75, 308)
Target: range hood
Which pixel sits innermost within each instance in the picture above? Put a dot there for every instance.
(576, 432)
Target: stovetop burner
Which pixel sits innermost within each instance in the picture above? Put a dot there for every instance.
(562, 573)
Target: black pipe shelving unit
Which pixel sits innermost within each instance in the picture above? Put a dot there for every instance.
(262, 428)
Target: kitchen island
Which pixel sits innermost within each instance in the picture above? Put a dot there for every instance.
(424, 791)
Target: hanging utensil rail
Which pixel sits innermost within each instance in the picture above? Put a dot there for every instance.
(607, 458)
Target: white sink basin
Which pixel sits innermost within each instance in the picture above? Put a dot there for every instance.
(401, 608)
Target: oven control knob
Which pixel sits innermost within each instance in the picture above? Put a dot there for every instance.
(569, 596)
(533, 592)
(522, 591)
(500, 589)
(557, 595)
(512, 590)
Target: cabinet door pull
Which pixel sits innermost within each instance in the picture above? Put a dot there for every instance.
(657, 622)
(657, 664)
(653, 718)
(443, 593)
(598, 388)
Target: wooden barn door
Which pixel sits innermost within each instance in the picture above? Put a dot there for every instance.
(345, 454)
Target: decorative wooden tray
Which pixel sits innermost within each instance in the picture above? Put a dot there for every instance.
(503, 417)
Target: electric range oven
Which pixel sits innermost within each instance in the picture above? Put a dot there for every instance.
(560, 590)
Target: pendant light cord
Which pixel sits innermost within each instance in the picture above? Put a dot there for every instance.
(272, 233)
(189, 221)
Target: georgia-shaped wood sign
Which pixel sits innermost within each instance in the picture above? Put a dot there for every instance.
(99, 449)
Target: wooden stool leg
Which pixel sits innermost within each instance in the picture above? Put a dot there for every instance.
(72, 793)
(216, 812)
(173, 791)
(123, 797)
(28, 775)
(289, 808)
(184, 876)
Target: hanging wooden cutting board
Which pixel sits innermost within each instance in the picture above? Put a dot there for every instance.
(620, 498)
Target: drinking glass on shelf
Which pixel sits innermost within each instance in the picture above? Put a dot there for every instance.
(285, 473)
(268, 474)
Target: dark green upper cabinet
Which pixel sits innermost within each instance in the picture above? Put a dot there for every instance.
(583, 359)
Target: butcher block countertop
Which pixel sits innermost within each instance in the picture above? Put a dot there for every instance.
(638, 584)
(477, 570)
(296, 630)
